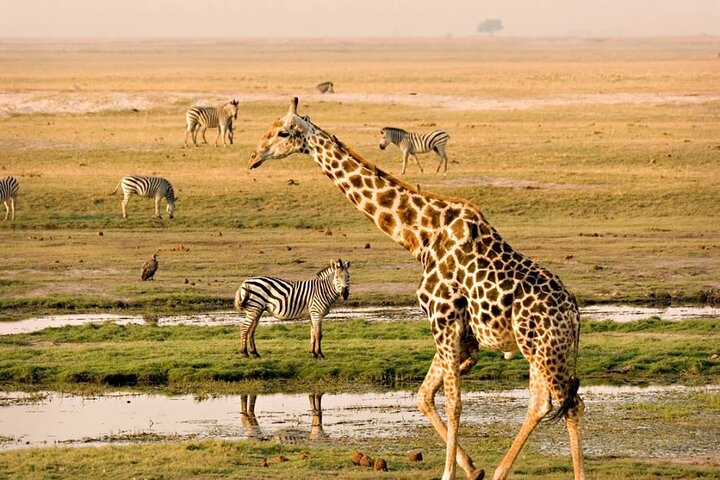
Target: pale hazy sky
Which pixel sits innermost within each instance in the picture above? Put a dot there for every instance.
(352, 18)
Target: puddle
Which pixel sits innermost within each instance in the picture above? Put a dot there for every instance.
(70, 102)
(370, 314)
(55, 419)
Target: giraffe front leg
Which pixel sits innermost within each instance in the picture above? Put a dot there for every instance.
(426, 405)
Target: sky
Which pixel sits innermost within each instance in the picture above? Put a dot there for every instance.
(353, 18)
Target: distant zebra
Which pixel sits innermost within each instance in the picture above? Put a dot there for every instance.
(148, 187)
(9, 187)
(325, 87)
(414, 143)
(211, 117)
(291, 300)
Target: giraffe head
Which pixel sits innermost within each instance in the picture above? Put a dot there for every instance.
(287, 135)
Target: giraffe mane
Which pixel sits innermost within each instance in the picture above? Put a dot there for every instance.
(383, 174)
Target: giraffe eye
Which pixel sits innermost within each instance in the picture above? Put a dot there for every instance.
(283, 134)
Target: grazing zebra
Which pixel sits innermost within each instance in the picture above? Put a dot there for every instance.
(291, 300)
(211, 117)
(414, 143)
(9, 187)
(147, 187)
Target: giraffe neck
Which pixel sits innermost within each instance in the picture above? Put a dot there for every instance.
(401, 211)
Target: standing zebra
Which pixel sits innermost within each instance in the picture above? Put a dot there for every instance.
(147, 187)
(211, 117)
(9, 187)
(414, 143)
(291, 300)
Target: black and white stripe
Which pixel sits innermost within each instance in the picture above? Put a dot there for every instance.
(414, 143)
(286, 300)
(9, 187)
(202, 118)
(148, 187)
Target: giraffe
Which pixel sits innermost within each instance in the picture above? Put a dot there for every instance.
(475, 290)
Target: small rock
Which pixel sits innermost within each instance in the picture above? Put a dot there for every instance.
(186, 281)
(100, 234)
(366, 461)
(263, 463)
(381, 465)
(304, 455)
(356, 457)
(367, 246)
(415, 456)
(598, 267)
(288, 248)
(283, 458)
(714, 356)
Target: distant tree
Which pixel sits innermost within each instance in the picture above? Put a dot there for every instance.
(491, 25)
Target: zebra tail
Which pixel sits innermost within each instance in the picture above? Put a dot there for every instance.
(241, 298)
(116, 188)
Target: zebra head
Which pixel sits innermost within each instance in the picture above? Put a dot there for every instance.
(341, 278)
(287, 135)
(232, 108)
(386, 137)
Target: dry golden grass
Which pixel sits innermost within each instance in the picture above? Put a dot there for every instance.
(588, 172)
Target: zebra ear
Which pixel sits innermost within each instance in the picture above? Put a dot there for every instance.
(347, 264)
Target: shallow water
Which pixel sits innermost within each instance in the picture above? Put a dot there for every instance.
(371, 314)
(55, 419)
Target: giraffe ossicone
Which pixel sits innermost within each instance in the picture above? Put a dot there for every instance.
(475, 289)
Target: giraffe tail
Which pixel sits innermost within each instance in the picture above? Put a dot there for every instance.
(571, 400)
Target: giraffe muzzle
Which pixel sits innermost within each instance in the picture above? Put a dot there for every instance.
(254, 161)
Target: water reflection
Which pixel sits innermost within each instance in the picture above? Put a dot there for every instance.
(284, 435)
(618, 313)
(631, 414)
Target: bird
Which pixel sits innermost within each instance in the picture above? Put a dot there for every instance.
(149, 268)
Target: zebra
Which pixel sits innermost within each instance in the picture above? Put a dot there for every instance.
(9, 187)
(286, 300)
(325, 87)
(211, 117)
(414, 143)
(147, 187)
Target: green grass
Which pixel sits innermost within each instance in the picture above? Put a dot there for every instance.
(383, 354)
(241, 460)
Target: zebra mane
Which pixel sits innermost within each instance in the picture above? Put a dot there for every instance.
(325, 272)
(383, 174)
(395, 129)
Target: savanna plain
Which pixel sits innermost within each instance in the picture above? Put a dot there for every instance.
(599, 158)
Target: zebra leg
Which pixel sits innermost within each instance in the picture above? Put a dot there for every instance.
(443, 160)
(247, 329)
(12, 208)
(220, 131)
(7, 210)
(203, 134)
(157, 207)
(124, 206)
(405, 160)
(251, 337)
(316, 337)
(418, 162)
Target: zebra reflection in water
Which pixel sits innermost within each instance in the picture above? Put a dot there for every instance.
(252, 428)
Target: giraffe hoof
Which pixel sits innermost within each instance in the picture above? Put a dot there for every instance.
(477, 474)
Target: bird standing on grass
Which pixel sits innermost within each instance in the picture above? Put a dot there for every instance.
(149, 268)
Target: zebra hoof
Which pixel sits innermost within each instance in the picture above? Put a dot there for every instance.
(255, 355)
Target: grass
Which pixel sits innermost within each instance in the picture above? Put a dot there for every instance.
(384, 354)
(241, 460)
(619, 199)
